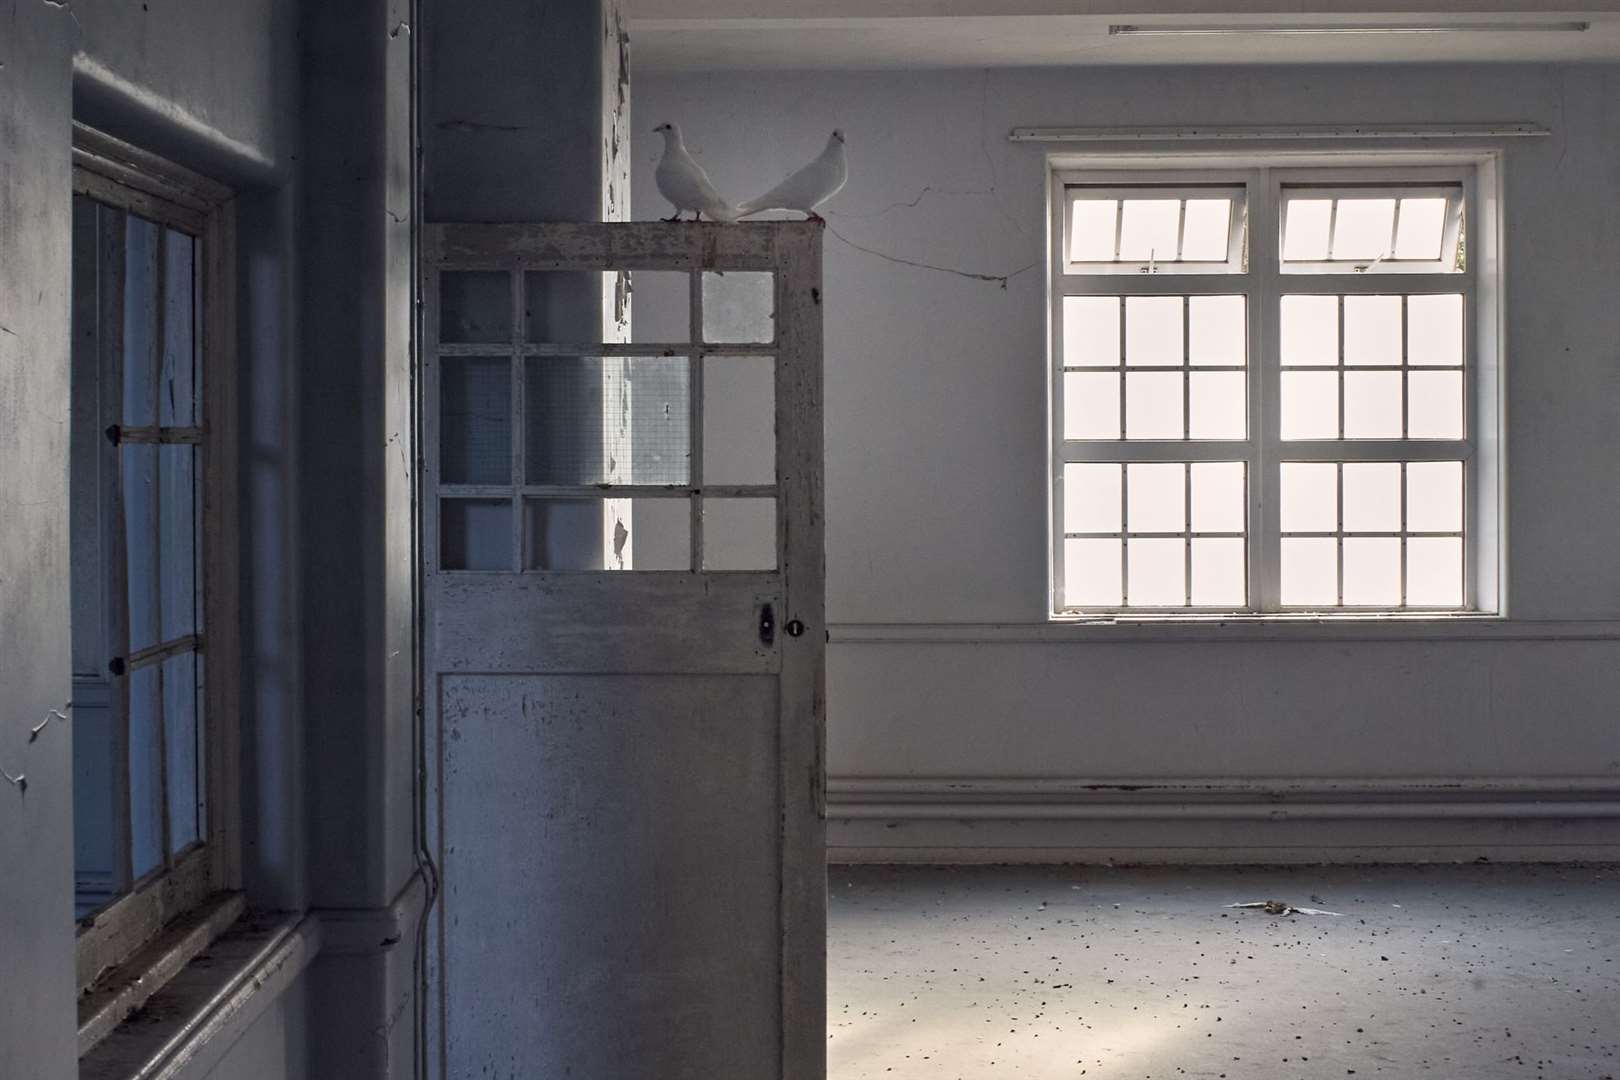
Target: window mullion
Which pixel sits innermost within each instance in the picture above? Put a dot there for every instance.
(1265, 545)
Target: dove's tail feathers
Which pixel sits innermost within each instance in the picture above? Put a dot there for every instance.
(725, 212)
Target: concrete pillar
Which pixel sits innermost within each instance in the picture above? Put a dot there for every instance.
(544, 141)
(355, 532)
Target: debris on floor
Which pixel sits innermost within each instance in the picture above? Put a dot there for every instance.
(1277, 907)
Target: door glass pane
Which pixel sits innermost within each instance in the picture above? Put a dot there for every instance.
(739, 420)
(475, 420)
(607, 534)
(180, 728)
(475, 307)
(739, 534)
(739, 306)
(660, 306)
(561, 306)
(607, 420)
(475, 534)
(145, 759)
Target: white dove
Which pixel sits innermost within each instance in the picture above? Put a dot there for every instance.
(809, 187)
(683, 182)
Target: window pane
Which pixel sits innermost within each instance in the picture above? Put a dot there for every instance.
(1090, 406)
(177, 390)
(1310, 405)
(1435, 410)
(1434, 331)
(1434, 496)
(1310, 496)
(1310, 331)
(1157, 572)
(475, 534)
(1307, 230)
(1219, 331)
(475, 420)
(1156, 495)
(739, 419)
(1372, 571)
(739, 306)
(1372, 496)
(739, 534)
(1093, 573)
(607, 420)
(180, 729)
(1218, 572)
(139, 463)
(1219, 405)
(1091, 331)
(1434, 571)
(1372, 405)
(1091, 498)
(1310, 569)
(1219, 503)
(177, 526)
(1153, 406)
(1421, 228)
(1149, 230)
(475, 306)
(1153, 336)
(1092, 230)
(1362, 227)
(145, 760)
(1372, 330)
(142, 345)
(1207, 229)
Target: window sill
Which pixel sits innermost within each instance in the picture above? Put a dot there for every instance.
(184, 1026)
(1225, 629)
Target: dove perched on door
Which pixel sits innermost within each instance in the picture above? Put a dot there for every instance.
(809, 187)
(683, 182)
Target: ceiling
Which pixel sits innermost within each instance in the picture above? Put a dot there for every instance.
(704, 35)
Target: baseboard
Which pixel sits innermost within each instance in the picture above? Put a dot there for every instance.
(1217, 820)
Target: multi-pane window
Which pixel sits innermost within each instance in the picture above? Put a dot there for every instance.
(1266, 390)
(147, 592)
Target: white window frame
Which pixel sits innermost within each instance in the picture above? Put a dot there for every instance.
(1263, 174)
(127, 950)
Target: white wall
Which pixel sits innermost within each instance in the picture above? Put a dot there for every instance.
(937, 497)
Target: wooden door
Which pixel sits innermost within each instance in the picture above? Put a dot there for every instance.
(624, 650)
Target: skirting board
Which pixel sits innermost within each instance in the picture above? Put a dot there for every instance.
(975, 820)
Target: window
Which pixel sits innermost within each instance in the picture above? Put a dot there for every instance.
(1272, 392)
(151, 533)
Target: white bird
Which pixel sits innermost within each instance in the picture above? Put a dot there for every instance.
(683, 182)
(809, 187)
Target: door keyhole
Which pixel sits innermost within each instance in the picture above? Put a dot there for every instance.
(767, 625)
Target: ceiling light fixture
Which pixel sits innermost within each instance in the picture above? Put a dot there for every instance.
(1229, 29)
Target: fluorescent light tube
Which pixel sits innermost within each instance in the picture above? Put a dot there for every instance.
(1226, 29)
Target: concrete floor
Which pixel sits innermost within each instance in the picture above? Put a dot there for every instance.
(1461, 972)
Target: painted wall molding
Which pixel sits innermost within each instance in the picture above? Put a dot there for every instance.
(1309, 799)
(1181, 631)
